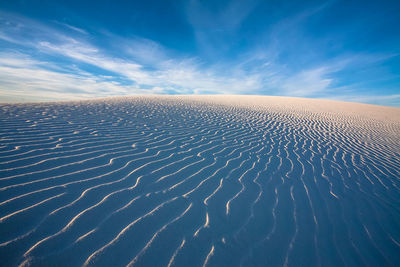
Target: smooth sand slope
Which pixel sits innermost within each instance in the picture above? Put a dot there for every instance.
(199, 181)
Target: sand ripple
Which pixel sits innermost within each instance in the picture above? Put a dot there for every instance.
(199, 181)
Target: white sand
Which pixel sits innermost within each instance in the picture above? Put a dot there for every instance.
(200, 180)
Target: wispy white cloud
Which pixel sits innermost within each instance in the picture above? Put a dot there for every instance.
(74, 28)
(22, 76)
(307, 82)
(387, 100)
(157, 71)
(214, 27)
(226, 18)
(144, 66)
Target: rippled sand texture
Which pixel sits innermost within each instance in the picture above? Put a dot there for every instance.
(200, 181)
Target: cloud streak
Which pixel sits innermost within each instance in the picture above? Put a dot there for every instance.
(167, 75)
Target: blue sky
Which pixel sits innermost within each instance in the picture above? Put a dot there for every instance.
(59, 50)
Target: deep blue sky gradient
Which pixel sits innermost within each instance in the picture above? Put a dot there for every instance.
(345, 50)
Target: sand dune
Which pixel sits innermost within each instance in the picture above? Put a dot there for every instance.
(199, 181)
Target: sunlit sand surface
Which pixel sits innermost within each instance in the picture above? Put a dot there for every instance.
(199, 181)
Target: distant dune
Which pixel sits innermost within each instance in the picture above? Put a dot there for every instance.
(199, 181)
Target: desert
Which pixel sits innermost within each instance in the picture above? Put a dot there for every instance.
(199, 181)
